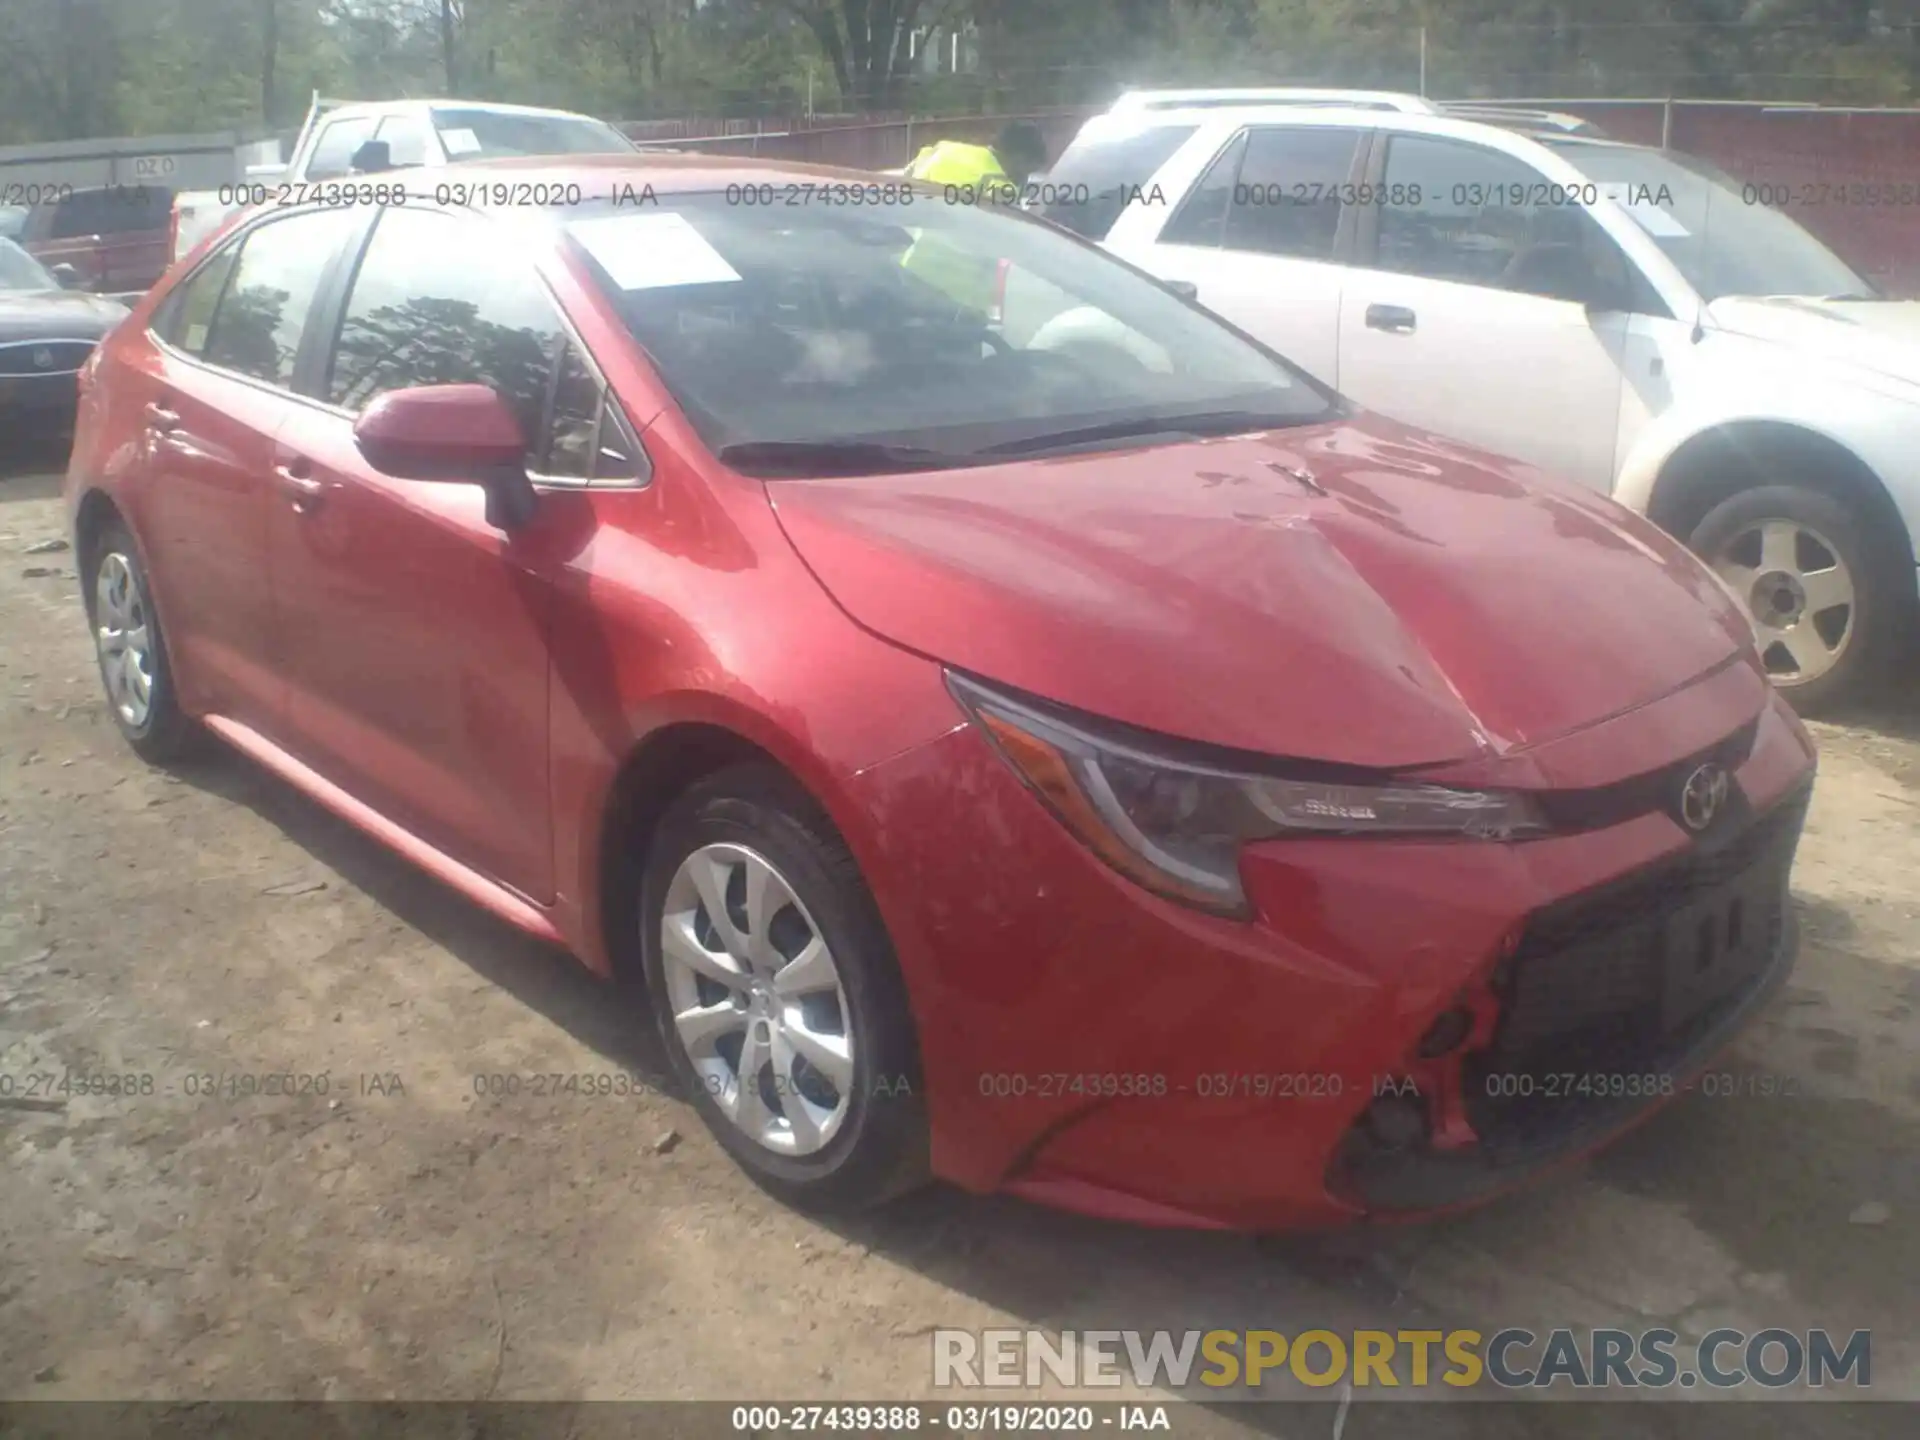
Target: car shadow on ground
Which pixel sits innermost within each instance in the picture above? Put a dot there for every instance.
(31, 466)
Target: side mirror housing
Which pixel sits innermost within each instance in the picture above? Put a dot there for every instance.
(1185, 289)
(455, 434)
(371, 158)
(68, 277)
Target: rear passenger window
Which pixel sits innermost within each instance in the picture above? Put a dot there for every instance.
(1202, 216)
(189, 310)
(1093, 181)
(257, 324)
(1286, 200)
(436, 303)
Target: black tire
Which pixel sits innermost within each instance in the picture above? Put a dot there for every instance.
(165, 733)
(1882, 584)
(880, 1149)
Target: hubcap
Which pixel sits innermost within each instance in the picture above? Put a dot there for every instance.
(757, 999)
(123, 639)
(1799, 593)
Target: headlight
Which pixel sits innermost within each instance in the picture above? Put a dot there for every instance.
(1178, 828)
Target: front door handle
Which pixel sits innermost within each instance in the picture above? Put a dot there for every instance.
(162, 420)
(294, 476)
(1394, 319)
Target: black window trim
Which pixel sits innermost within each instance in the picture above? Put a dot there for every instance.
(1366, 247)
(330, 312)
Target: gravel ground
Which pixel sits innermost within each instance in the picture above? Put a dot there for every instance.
(403, 1236)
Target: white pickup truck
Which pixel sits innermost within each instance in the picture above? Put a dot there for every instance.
(341, 139)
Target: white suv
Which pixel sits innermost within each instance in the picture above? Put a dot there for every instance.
(1618, 314)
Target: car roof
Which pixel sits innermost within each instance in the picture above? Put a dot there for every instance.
(1470, 120)
(363, 107)
(1136, 102)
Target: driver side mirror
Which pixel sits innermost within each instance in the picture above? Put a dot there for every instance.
(454, 434)
(66, 275)
(371, 158)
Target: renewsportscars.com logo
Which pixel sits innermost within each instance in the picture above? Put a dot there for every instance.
(1512, 1359)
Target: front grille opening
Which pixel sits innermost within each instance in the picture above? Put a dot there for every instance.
(1612, 989)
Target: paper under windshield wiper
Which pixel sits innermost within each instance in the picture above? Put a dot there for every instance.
(834, 457)
(1202, 422)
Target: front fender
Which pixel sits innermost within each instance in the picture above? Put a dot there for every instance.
(1878, 430)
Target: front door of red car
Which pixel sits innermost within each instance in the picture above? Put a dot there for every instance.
(415, 633)
(212, 394)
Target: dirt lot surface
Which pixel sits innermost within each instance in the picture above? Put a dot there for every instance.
(403, 1236)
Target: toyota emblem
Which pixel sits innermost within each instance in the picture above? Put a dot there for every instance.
(1701, 797)
(43, 359)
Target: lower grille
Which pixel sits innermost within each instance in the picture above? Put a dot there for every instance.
(1624, 979)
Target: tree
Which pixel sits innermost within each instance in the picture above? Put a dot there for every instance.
(863, 41)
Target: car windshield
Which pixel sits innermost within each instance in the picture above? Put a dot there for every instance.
(493, 134)
(1701, 220)
(891, 335)
(20, 271)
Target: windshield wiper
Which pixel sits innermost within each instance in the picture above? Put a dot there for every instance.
(835, 457)
(1203, 422)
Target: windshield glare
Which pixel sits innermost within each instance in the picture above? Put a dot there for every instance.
(493, 134)
(20, 271)
(953, 327)
(1700, 220)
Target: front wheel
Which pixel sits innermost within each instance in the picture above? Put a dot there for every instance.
(1825, 599)
(778, 997)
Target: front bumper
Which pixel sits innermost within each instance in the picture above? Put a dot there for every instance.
(1089, 1045)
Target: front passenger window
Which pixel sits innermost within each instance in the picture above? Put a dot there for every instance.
(439, 302)
(1474, 216)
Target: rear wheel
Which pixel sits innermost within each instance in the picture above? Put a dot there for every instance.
(132, 652)
(777, 994)
(1825, 597)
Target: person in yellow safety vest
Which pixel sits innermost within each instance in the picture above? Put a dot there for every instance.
(971, 175)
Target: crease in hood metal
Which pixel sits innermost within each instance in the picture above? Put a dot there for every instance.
(1433, 605)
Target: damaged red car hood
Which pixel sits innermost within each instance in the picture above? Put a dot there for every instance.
(1408, 602)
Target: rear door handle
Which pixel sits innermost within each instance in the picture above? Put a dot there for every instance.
(1394, 319)
(161, 419)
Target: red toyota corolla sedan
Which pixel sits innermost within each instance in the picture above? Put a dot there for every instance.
(1017, 728)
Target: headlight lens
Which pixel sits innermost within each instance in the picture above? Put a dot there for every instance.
(1178, 828)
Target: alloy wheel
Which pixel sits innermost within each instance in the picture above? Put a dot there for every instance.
(1799, 592)
(124, 639)
(757, 1000)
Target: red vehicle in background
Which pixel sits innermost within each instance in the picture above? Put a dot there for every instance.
(115, 238)
(1122, 774)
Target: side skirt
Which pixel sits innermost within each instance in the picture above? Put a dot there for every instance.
(509, 905)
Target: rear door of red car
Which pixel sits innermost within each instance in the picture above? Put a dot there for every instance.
(209, 385)
(416, 634)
